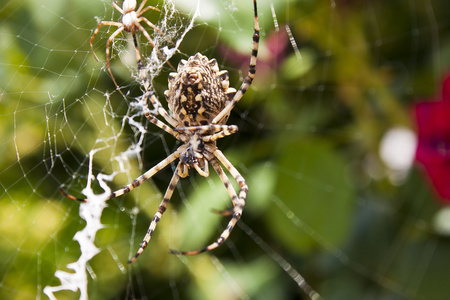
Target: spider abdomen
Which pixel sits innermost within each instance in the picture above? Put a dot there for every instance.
(198, 91)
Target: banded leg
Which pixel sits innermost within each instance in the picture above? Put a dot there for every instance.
(156, 121)
(157, 105)
(238, 206)
(147, 175)
(221, 131)
(236, 175)
(138, 181)
(250, 75)
(212, 127)
(161, 209)
(161, 125)
(230, 190)
(71, 197)
(151, 25)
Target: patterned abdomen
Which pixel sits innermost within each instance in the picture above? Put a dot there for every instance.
(198, 91)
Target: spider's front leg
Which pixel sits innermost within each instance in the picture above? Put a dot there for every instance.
(102, 23)
(149, 95)
(141, 179)
(156, 121)
(250, 75)
(220, 131)
(160, 109)
(108, 42)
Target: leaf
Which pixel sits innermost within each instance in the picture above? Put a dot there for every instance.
(313, 198)
(197, 223)
(295, 67)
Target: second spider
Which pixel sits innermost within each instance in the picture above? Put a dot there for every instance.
(131, 19)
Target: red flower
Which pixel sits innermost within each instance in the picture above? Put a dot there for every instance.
(433, 148)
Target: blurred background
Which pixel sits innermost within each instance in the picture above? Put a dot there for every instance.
(344, 140)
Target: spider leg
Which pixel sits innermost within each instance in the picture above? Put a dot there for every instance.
(150, 24)
(142, 10)
(111, 38)
(139, 12)
(231, 192)
(141, 70)
(236, 175)
(157, 105)
(210, 127)
(149, 39)
(163, 126)
(161, 209)
(148, 95)
(238, 202)
(138, 56)
(156, 121)
(221, 134)
(142, 29)
(147, 175)
(138, 181)
(237, 212)
(221, 131)
(203, 172)
(70, 196)
(147, 36)
(250, 75)
(155, 28)
(114, 4)
(107, 23)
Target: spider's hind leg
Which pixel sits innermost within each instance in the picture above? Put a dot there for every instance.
(238, 203)
(161, 209)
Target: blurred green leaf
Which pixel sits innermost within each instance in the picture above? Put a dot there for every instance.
(313, 197)
(196, 222)
(294, 66)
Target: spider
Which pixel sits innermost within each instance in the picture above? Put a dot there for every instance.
(200, 100)
(131, 19)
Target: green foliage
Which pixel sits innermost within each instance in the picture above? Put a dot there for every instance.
(313, 196)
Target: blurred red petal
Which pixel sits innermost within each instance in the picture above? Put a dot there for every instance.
(433, 120)
(446, 89)
(433, 148)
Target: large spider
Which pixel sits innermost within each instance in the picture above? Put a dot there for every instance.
(131, 19)
(200, 100)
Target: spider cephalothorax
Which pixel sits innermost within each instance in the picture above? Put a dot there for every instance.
(198, 91)
(195, 156)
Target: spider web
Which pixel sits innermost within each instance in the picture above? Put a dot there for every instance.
(329, 202)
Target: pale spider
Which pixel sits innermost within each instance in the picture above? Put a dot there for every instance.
(131, 19)
(200, 100)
